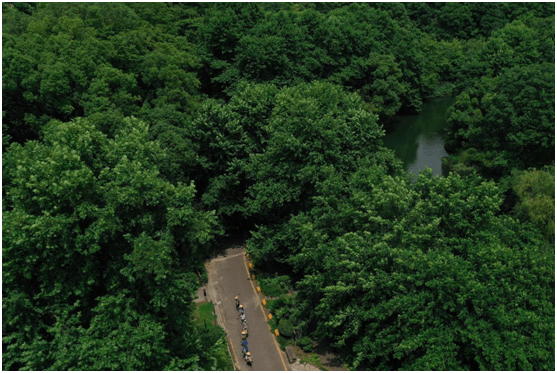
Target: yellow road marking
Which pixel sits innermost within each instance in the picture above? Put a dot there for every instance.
(262, 311)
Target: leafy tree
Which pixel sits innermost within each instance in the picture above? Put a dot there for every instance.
(86, 59)
(106, 219)
(220, 31)
(261, 153)
(465, 21)
(358, 46)
(507, 122)
(306, 344)
(285, 328)
(522, 42)
(97, 251)
(315, 130)
(312, 127)
(378, 80)
(225, 136)
(457, 20)
(536, 193)
(425, 276)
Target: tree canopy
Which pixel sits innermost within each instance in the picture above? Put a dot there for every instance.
(137, 135)
(424, 276)
(97, 249)
(505, 118)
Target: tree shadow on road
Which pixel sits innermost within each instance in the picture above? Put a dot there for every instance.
(224, 243)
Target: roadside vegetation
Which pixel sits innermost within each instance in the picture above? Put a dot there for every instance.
(135, 135)
(213, 339)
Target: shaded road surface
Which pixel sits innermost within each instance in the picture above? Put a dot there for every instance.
(229, 277)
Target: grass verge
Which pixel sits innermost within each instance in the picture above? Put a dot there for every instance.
(214, 340)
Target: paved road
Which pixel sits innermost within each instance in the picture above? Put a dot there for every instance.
(228, 277)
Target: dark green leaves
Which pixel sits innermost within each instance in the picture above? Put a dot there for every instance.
(97, 249)
(83, 59)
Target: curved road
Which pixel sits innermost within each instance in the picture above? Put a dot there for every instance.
(229, 277)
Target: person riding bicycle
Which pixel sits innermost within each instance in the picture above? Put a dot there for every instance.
(237, 300)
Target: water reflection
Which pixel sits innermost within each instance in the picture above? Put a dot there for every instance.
(418, 140)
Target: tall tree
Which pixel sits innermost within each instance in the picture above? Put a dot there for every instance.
(98, 251)
(536, 199)
(315, 130)
(506, 122)
(103, 61)
(425, 276)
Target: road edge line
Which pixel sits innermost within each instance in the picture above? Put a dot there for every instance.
(235, 361)
(255, 291)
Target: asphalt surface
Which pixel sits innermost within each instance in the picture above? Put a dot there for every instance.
(229, 277)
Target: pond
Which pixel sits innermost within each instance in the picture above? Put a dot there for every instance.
(418, 139)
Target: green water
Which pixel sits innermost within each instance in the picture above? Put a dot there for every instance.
(418, 140)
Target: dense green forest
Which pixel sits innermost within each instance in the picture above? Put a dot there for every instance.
(136, 135)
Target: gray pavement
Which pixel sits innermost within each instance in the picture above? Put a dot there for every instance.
(229, 277)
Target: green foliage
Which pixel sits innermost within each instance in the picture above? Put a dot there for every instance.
(274, 304)
(306, 344)
(86, 59)
(273, 324)
(313, 359)
(426, 276)
(106, 219)
(274, 286)
(293, 45)
(260, 153)
(108, 248)
(504, 118)
(225, 137)
(315, 130)
(214, 345)
(536, 193)
(204, 314)
(283, 342)
(507, 122)
(468, 20)
(285, 328)
(203, 275)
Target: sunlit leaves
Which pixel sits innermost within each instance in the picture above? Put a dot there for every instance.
(536, 193)
(437, 282)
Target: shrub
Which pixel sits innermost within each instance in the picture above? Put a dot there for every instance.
(275, 304)
(283, 342)
(273, 324)
(306, 344)
(285, 328)
(275, 286)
